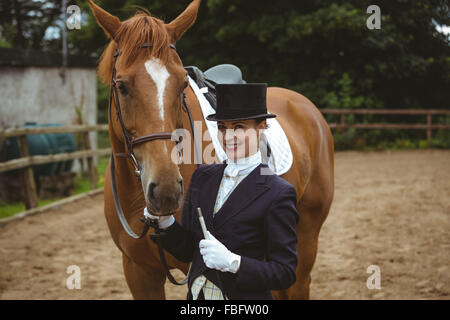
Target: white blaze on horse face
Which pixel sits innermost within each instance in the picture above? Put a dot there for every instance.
(159, 75)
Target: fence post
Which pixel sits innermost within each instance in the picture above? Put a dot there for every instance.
(429, 128)
(92, 172)
(342, 119)
(342, 122)
(31, 198)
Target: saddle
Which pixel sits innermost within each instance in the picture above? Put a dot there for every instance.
(222, 73)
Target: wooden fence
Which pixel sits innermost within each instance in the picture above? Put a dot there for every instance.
(26, 161)
(428, 126)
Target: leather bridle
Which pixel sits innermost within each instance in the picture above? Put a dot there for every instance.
(130, 143)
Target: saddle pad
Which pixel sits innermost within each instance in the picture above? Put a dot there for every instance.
(281, 158)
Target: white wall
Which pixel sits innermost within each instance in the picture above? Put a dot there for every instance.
(38, 94)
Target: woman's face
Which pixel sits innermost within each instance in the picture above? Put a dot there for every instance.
(240, 139)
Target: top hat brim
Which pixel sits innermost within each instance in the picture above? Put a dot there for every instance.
(212, 117)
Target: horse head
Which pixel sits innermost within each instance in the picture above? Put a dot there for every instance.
(150, 79)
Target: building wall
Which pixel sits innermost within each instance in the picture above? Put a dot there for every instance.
(38, 94)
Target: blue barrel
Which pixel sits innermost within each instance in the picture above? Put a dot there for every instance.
(43, 144)
(61, 143)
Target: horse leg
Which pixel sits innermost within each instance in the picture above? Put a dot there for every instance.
(312, 214)
(143, 284)
(313, 209)
(306, 252)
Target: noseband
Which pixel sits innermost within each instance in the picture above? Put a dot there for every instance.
(130, 143)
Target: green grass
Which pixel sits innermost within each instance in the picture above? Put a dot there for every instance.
(9, 209)
(102, 165)
(82, 185)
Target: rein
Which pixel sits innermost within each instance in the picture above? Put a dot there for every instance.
(130, 142)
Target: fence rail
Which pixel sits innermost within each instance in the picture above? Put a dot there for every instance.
(14, 132)
(41, 159)
(25, 161)
(429, 126)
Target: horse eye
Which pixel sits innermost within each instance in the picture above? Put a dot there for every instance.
(122, 87)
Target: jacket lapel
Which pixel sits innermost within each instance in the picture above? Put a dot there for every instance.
(209, 190)
(250, 188)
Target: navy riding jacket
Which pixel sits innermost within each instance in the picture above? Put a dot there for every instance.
(257, 222)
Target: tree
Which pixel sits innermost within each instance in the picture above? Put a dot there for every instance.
(322, 49)
(23, 23)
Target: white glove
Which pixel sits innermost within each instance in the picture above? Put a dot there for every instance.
(163, 221)
(217, 256)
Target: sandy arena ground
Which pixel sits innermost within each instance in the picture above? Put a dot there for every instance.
(391, 209)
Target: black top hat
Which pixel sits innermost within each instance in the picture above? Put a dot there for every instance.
(240, 102)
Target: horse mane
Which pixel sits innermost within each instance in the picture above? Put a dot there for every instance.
(134, 32)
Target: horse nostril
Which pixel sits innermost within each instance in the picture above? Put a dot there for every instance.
(152, 196)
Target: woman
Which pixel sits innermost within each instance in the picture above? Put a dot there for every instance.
(249, 211)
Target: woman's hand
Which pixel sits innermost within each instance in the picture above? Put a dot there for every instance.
(217, 256)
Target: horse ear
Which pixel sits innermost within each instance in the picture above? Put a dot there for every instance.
(184, 21)
(107, 21)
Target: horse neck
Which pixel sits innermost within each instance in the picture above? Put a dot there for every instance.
(128, 187)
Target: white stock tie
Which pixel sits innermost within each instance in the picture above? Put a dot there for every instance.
(233, 174)
(242, 166)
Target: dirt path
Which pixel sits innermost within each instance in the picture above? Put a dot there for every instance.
(391, 209)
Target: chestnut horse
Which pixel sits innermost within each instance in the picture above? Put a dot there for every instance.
(151, 83)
